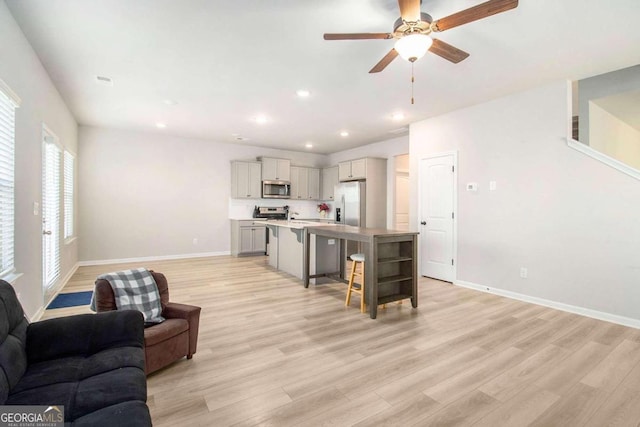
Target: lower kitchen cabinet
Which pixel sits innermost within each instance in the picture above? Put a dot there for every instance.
(248, 238)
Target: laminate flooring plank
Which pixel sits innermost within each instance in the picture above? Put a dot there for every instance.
(463, 411)
(512, 381)
(470, 379)
(521, 409)
(404, 413)
(573, 368)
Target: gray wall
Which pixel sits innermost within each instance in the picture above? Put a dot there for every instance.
(572, 221)
(21, 69)
(150, 195)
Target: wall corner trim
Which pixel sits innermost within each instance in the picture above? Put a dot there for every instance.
(594, 314)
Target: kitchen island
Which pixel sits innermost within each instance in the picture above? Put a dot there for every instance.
(391, 260)
(286, 248)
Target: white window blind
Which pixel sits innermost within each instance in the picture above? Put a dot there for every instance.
(8, 104)
(51, 192)
(69, 171)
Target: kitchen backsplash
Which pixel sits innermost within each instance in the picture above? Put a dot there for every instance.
(243, 208)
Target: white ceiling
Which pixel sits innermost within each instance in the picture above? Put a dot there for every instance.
(224, 62)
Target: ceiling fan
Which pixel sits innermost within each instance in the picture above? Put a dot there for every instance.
(412, 31)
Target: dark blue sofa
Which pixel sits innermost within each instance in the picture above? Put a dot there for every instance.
(92, 364)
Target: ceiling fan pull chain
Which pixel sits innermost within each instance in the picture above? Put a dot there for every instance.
(412, 79)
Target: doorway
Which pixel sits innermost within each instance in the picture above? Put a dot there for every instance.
(401, 211)
(438, 179)
(51, 202)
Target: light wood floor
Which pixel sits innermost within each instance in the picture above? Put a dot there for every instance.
(273, 353)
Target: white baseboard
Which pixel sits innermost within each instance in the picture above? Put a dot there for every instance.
(600, 315)
(152, 258)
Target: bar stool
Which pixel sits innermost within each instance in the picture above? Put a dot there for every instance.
(357, 259)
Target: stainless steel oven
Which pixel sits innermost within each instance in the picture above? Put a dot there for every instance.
(276, 189)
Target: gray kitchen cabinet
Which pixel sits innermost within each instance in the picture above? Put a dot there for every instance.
(329, 181)
(352, 170)
(246, 180)
(305, 183)
(313, 184)
(248, 238)
(275, 169)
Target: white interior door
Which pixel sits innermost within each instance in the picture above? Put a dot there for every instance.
(51, 207)
(437, 217)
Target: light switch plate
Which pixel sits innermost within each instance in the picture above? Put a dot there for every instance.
(472, 186)
(36, 208)
(492, 186)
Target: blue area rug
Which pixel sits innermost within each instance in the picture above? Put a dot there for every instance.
(71, 300)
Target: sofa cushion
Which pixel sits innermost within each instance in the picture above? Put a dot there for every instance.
(88, 395)
(13, 333)
(125, 414)
(165, 330)
(78, 368)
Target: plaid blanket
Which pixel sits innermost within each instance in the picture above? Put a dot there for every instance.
(135, 290)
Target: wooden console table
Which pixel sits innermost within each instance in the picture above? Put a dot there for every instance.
(391, 262)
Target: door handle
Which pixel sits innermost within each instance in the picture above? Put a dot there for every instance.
(48, 233)
(423, 222)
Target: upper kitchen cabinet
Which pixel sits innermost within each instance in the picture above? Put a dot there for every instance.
(359, 169)
(246, 180)
(314, 183)
(305, 183)
(329, 181)
(275, 169)
(352, 170)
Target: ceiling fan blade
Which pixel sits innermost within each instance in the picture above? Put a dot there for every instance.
(384, 61)
(357, 36)
(409, 10)
(448, 52)
(474, 13)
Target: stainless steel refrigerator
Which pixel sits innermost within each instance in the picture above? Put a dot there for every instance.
(350, 203)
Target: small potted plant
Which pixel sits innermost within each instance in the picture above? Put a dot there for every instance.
(323, 208)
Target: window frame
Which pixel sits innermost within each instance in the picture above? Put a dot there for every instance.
(68, 196)
(10, 103)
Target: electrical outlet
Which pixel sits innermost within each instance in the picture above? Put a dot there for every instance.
(524, 272)
(195, 240)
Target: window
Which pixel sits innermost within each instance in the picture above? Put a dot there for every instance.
(8, 104)
(69, 172)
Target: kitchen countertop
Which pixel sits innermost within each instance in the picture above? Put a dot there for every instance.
(298, 224)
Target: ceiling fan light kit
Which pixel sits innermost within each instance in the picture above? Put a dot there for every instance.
(414, 46)
(416, 25)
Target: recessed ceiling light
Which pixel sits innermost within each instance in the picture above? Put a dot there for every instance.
(397, 116)
(303, 93)
(170, 102)
(261, 119)
(161, 125)
(308, 145)
(105, 81)
(344, 133)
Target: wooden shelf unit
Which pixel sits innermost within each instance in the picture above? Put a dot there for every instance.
(395, 271)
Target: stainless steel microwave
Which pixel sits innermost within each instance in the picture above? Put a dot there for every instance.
(276, 189)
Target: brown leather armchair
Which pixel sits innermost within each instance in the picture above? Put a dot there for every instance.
(165, 342)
